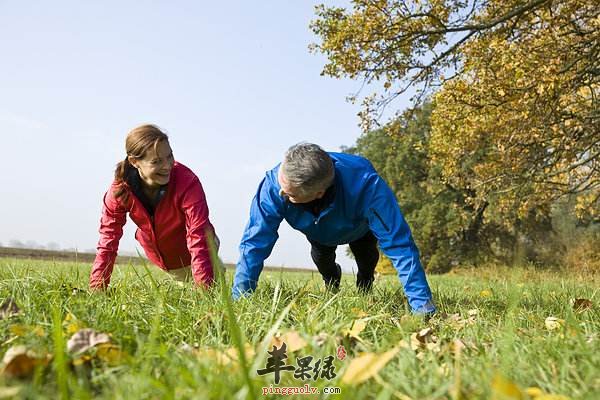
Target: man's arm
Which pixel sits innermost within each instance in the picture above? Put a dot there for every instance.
(395, 239)
(259, 238)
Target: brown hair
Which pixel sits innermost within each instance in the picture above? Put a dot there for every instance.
(139, 140)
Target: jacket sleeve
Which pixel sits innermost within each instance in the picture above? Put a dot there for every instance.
(258, 239)
(395, 239)
(198, 228)
(113, 218)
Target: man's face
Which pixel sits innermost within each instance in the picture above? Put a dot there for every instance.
(293, 194)
(155, 167)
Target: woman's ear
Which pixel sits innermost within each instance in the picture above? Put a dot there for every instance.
(132, 161)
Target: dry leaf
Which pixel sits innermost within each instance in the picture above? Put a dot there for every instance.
(20, 362)
(358, 313)
(72, 324)
(320, 339)
(8, 308)
(457, 346)
(366, 366)
(22, 330)
(358, 326)
(292, 339)
(85, 339)
(82, 360)
(227, 357)
(504, 389)
(9, 392)
(233, 353)
(110, 353)
(581, 305)
(534, 392)
(553, 323)
(485, 293)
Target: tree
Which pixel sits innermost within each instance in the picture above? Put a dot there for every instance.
(516, 86)
(446, 228)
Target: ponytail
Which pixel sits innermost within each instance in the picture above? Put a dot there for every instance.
(121, 172)
(139, 140)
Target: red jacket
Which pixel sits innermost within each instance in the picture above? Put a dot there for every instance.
(176, 239)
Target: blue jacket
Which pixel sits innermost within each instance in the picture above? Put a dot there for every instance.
(362, 202)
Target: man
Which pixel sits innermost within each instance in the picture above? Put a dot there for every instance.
(333, 198)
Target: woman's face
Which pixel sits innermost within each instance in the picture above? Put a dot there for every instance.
(155, 168)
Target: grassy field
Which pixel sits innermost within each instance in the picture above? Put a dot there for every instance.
(492, 337)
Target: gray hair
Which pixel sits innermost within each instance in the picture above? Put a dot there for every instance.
(308, 167)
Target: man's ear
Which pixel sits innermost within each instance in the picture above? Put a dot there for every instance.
(320, 194)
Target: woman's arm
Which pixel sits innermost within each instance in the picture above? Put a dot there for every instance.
(198, 229)
(113, 218)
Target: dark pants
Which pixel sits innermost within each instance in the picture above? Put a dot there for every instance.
(365, 253)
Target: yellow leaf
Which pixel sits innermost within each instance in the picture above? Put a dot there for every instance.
(110, 354)
(9, 392)
(22, 330)
(485, 293)
(18, 329)
(358, 313)
(20, 362)
(367, 366)
(553, 323)
(292, 339)
(504, 389)
(534, 392)
(358, 326)
(233, 353)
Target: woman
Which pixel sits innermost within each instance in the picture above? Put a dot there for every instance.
(166, 201)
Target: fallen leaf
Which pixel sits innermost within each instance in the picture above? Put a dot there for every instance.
(485, 293)
(227, 357)
(366, 366)
(357, 327)
(9, 392)
(358, 313)
(320, 339)
(8, 308)
(20, 362)
(233, 353)
(534, 392)
(22, 330)
(72, 324)
(581, 305)
(85, 339)
(82, 360)
(292, 339)
(457, 346)
(553, 323)
(110, 353)
(504, 389)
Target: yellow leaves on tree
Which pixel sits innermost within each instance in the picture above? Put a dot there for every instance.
(516, 118)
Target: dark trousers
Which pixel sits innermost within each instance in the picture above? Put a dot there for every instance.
(365, 253)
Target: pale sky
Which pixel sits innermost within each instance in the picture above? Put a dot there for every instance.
(232, 83)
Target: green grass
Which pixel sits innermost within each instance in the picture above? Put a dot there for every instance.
(150, 319)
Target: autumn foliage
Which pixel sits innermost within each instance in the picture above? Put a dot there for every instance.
(514, 130)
